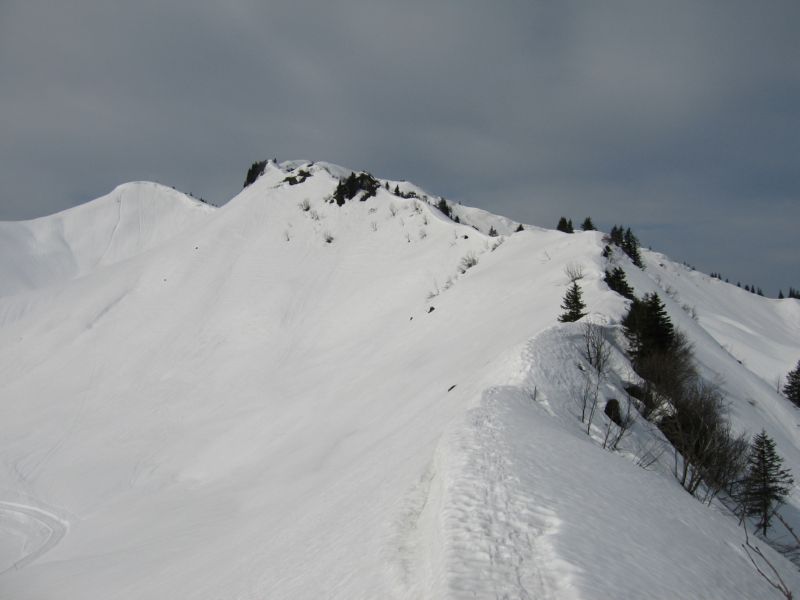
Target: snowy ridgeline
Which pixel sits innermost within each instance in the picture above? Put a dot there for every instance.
(291, 398)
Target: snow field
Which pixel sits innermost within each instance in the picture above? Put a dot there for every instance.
(220, 403)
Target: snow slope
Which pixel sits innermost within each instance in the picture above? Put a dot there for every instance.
(262, 401)
(132, 219)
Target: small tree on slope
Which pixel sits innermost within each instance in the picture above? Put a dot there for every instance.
(765, 484)
(573, 305)
(792, 387)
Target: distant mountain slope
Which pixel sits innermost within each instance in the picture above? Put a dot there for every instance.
(287, 398)
(132, 219)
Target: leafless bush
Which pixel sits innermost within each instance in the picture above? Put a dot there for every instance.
(724, 462)
(574, 272)
(373, 225)
(705, 451)
(597, 352)
(775, 579)
(423, 234)
(393, 209)
(467, 262)
(314, 215)
(596, 347)
(305, 205)
(328, 237)
(649, 454)
(286, 237)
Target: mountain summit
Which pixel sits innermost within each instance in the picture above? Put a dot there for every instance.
(338, 386)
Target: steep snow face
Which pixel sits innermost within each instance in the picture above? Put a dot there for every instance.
(286, 398)
(133, 218)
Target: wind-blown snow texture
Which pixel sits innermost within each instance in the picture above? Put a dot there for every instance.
(201, 403)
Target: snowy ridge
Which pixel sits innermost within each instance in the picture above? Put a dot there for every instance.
(286, 398)
(133, 218)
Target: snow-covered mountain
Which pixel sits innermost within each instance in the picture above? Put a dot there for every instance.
(289, 398)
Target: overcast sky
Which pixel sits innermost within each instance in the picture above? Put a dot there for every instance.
(680, 119)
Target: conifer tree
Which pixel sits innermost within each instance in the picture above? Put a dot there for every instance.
(766, 483)
(630, 245)
(648, 328)
(255, 171)
(587, 224)
(573, 305)
(564, 225)
(792, 387)
(780, 295)
(492, 232)
(616, 236)
(520, 228)
(443, 206)
(616, 281)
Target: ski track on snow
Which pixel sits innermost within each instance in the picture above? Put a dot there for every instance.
(56, 527)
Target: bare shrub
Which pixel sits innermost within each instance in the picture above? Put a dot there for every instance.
(328, 237)
(574, 272)
(467, 262)
(314, 215)
(648, 454)
(373, 225)
(775, 580)
(725, 462)
(704, 449)
(305, 205)
(596, 347)
(597, 351)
